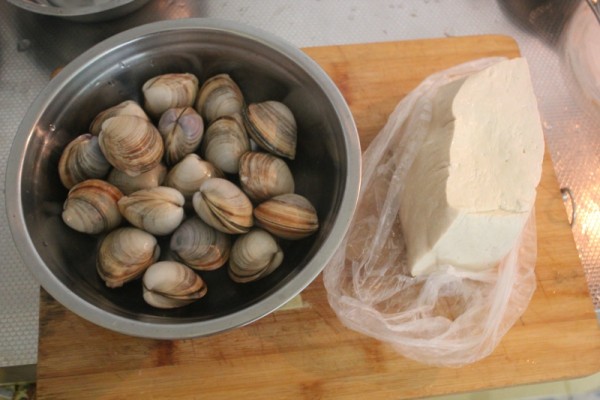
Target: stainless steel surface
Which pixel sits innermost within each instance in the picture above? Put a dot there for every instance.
(595, 6)
(265, 68)
(81, 10)
(32, 46)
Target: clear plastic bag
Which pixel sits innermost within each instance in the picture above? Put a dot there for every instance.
(450, 318)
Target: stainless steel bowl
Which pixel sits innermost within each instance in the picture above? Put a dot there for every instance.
(81, 10)
(327, 170)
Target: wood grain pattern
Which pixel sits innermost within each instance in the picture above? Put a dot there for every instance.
(305, 352)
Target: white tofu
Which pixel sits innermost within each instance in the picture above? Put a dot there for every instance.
(473, 183)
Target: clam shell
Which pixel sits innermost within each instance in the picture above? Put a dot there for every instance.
(169, 284)
(124, 254)
(219, 96)
(91, 207)
(288, 216)
(263, 176)
(182, 129)
(188, 174)
(128, 107)
(147, 180)
(254, 255)
(222, 205)
(224, 143)
(199, 245)
(131, 144)
(273, 127)
(158, 210)
(168, 91)
(82, 159)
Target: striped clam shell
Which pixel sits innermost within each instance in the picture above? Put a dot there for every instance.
(124, 254)
(168, 91)
(222, 205)
(263, 176)
(288, 216)
(273, 127)
(158, 210)
(200, 246)
(170, 284)
(254, 255)
(128, 107)
(219, 96)
(131, 144)
(82, 159)
(188, 174)
(91, 207)
(182, 129)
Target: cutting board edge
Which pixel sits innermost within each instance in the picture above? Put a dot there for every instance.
(511, 41)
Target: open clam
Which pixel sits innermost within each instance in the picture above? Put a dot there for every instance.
(273, 127)
(288, 216)
(224, 143)
(182, 129)
(199, 245)
(91, 207)
(188, 174)
(254, 255)
(147, 180)
(128, 107)
(158, 210)
(131, 144)
(263, 176)
(219, 96)
(82, 159)
(169, 284)
(168, 91)
(222, 205)
(124, 254)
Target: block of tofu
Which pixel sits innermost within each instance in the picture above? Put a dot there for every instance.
(473, 183)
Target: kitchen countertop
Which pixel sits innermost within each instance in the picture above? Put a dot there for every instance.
(32, 46)
(302, 350)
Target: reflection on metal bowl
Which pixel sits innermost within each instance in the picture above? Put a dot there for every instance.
(81, 10)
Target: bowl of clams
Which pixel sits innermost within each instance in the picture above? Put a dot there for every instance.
(183, 178)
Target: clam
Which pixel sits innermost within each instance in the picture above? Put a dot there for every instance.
(219, 96)
(199, 245)
(288, 216)
(158, 210)
(188, 174)
(82, 159)
(168, 91)
(169, 284)
(128, 107)
(254, 255)
(222, 205)
(224, 143)
(125, 254)
(147, 180)
(131, 144)
(91, 207)
(182, 129)
(263, 176)
(273, 127)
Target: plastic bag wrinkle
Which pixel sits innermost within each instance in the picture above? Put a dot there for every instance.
(449, 318)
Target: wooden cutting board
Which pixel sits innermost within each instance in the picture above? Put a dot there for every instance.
(303, 351)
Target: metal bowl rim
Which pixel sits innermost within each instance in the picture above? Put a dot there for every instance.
(70, 12)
